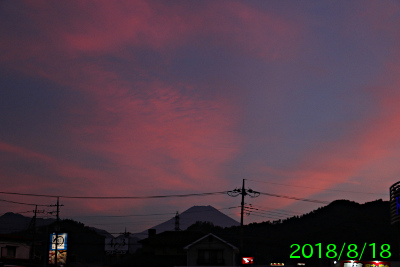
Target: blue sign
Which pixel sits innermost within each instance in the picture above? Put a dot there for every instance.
(61, 241)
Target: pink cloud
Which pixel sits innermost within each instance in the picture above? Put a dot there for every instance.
(175, 139)
(22, 152)
(63, 178)
(102, 27)
(234, 26)
(263, 34)
(162, 138)
(370, 149)
(379, 19)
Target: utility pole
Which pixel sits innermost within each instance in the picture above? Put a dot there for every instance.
(244, 192)
(57, 226)
(34, 234)
(57, 229)
(32, 230)
(177, 222)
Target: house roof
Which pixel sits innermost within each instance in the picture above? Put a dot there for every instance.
(10, 237)
(210, 234)
(172, 238)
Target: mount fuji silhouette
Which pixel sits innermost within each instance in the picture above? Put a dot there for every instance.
(191, 216)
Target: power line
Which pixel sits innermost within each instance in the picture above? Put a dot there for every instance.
(122, 216)
(17, 213)
(22, 203)
(153, 214)
(125, 197)
(131, 223)
(265, 207)
(268, 216)
(296, 198)
(267, 211)
(254, 212)
(336, 190)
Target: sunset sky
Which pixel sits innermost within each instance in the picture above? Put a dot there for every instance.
(144, 98)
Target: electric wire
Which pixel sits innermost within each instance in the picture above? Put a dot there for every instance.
(266, 216)
(22, 203)
(296, 198)
(153, 214)
(267, 211)
(123, 216)
(262, 213)
(124, 197)
(265, 207)
(335, 190)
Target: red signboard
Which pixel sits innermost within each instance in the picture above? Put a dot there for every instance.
(247, 260)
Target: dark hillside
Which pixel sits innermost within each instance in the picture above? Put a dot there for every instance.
(340, 221)
(13, 222)
(85, 245)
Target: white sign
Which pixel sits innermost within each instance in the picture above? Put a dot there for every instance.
(352, 264)
(118, 244)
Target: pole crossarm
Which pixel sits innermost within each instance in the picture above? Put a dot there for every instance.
(243, 192)
(247, 192)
